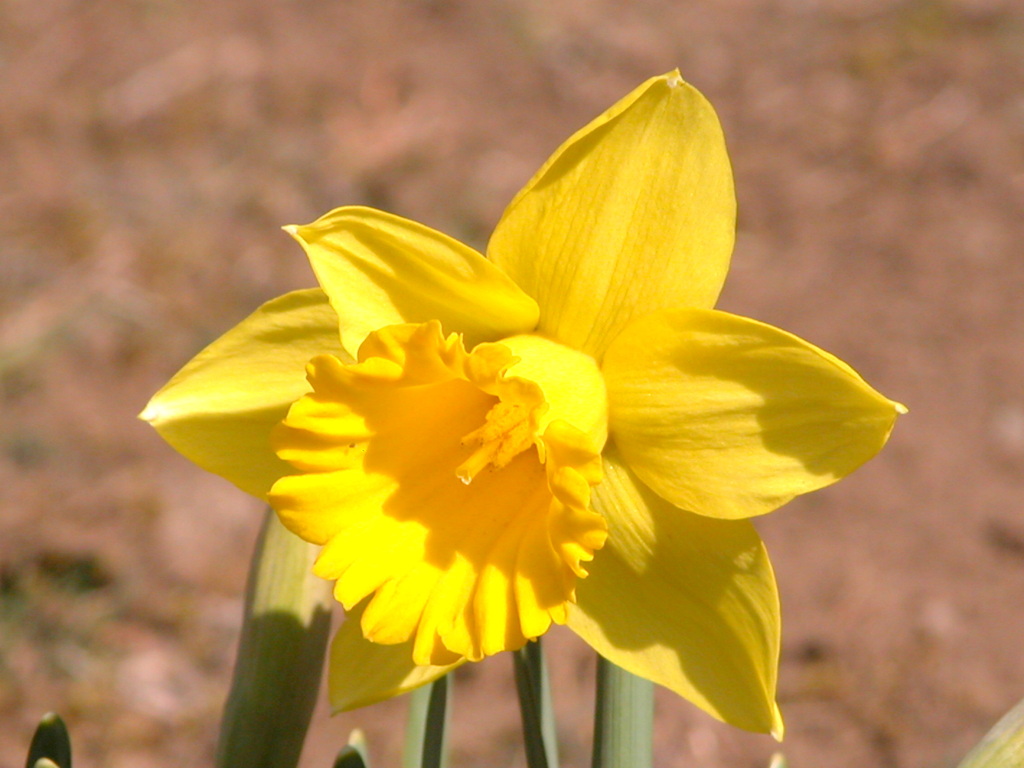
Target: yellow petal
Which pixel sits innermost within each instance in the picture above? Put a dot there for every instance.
(219, 410)
(380, 269)
(730, 417)
(683, 600)
(633, 213)
(437, 492)
(362, 673)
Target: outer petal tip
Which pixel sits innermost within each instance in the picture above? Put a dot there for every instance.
(380, 269)
(151, 413)
(718, 645)
(206, 416)
(778, 727)
(635, 212)
(731, 418)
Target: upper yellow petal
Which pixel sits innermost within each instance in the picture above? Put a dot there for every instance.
(219, 410)
(633, 213)
(686, 601)
(380, 269)
(729, 417)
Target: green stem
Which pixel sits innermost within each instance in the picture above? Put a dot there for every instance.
(624, 720)
(534, 687)
(426, 734)
(280, 655)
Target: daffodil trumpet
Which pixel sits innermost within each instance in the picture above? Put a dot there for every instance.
(563, 431)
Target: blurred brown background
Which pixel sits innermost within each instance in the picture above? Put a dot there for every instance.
(151, 149)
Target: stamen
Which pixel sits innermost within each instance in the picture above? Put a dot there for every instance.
(507, 431)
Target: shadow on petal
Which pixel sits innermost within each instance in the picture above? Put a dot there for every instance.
(685, 600)
(732, 418)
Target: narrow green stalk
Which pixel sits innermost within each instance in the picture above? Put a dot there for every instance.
(539, 734)
(426, 733)
(624, 720)
(416, 726)
(280, 655)
(436, 737)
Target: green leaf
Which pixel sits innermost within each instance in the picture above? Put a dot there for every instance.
(1003, 746)
(624, 721)
(280, 655)
(50, 742)
(539, 733)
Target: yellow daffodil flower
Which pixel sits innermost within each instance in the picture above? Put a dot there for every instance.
(562, 432)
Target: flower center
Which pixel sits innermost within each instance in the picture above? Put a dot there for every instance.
(570, 381)
(414, 473)
(507, 431)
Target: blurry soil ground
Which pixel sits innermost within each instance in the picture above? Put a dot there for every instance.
(150, 151)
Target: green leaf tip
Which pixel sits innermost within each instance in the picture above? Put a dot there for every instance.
(350, 757)
(51, 744)
(1003, 746)
(353, 754)
(357, 739)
